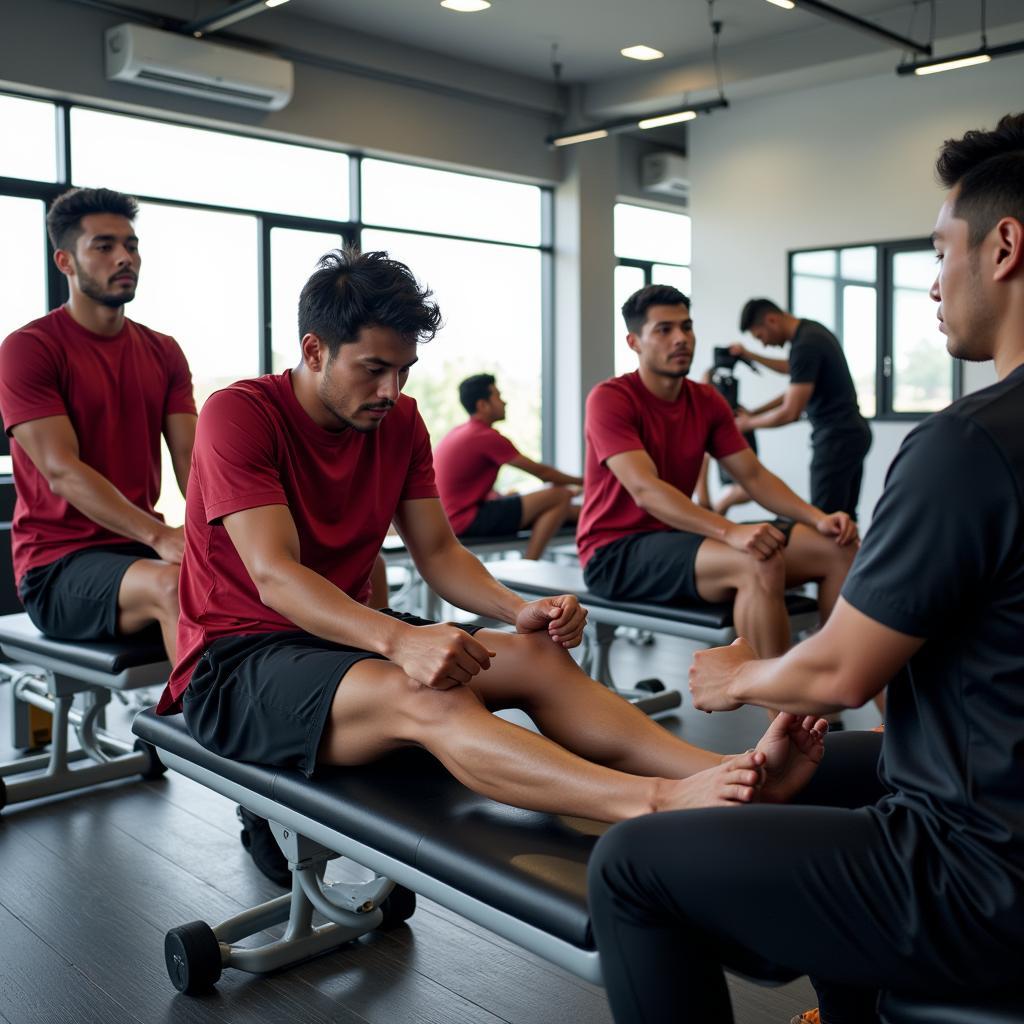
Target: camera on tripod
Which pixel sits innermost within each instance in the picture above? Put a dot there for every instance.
(722, 378)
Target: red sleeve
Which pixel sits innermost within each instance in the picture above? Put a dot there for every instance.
(30, 380)
(179, 382)
(723, 437)
(234, 456)
(500, 449)
(612, 425)
(419, 480)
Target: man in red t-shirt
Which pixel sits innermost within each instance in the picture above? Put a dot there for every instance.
(296, 478)
(467, 462)
(86, 394)
(641, 537)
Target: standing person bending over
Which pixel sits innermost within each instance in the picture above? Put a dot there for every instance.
(642, 538)
(921, 892)
(297, 477)
(820, 383)
(467, 462)
(85, 394)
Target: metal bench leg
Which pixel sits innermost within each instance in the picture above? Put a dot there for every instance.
(650, 701)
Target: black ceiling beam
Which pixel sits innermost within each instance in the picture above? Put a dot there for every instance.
(835, 14)
(222, 18)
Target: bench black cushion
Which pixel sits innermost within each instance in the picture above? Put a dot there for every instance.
(546, 579)
(1005, 1007)
(407, 805)
(393, 544)
(101, 656)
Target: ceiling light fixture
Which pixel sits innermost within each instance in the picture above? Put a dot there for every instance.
(600, 131)
(959, 60)
(862, 24)
(641, 52)
(227, 16)
(786, 5)
(466, 6)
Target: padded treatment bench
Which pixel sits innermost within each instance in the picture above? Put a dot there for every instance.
(50, 674)
(518, 873)
(708, 624)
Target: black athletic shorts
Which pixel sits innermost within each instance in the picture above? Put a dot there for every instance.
(653, 568)
(265, 697)
(496, 518)
(75, 597)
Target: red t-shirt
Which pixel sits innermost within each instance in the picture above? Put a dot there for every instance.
(255, 446)
(623, 416)
(117, 391)
(467, 463)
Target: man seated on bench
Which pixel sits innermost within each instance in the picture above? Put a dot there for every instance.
(920, 893)
(85, 394)
(296, 479)
(642, 538)
(467, 462)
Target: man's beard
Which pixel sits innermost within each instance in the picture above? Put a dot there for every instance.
(91, 287)
(976, 343)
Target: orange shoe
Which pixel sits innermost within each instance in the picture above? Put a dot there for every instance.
(807, 1017)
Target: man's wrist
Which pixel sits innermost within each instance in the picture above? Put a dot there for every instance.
(393, 636)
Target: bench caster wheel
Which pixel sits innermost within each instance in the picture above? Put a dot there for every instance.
(192, 955)
(398, 907)
(155, 768)
(650, 685)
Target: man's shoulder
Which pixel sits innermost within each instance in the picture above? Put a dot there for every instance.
(995, 411)
(45, 329)
(157, 338)
(814, 333)
(614, 390)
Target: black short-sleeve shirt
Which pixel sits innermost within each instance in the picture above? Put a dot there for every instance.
(816, 357)
(944, 560)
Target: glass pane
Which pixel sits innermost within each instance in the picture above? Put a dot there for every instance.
(424, 199)
(678, 277)
(29, 131)
(477, 337)
(173, 161)
(814, 298)
(860, 342)
(922, 378)
(859, 264)
(645, 234)
(22, 262)
(293, 257)
(627, 281)
(216, 321)
(821, 263)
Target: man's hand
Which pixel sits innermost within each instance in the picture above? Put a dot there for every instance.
(762, 540)
(793, 748)
(561, 616)
(712, 671)
(736, 349)
(170, 544)
(441, 656)
(743, 423)
(839, 526)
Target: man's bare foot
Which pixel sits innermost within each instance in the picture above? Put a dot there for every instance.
(736, 780)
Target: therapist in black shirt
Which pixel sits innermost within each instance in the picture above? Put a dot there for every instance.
(820, 384)
(921, 890)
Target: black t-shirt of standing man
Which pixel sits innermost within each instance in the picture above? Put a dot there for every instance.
(816, 357)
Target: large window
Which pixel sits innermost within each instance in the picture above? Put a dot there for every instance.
(874, 298)
(231, 226)
(652, 247)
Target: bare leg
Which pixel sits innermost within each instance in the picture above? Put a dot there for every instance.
(377, 708)
(757, 588)
(148, 594)
(812, 556)
(732, 495)
(544, 512)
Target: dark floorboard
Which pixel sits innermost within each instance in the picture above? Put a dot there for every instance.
(90, 883)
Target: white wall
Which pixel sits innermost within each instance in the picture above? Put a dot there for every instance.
(844, 163)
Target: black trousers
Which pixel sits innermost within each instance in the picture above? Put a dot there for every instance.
(772, 892)
(837, 469)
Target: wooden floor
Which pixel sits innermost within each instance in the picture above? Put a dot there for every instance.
(90, 883)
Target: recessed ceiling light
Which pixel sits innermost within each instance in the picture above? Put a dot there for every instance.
(641, 52)
(466, 6)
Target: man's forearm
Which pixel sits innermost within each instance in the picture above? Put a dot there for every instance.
(550, 475)
(459, 577)
(778, 365)
(675, 509)
(776, 416)
(768, 406)
(770, 492)
(182, 463)
(98, 499)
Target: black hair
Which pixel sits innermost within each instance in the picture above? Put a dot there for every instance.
(634, 309)
(350, 290)
(64, 220)
(475, 389)
(989, 168)
(755, 311)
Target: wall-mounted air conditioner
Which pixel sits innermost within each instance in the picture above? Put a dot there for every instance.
(165, 60)
(666, 174)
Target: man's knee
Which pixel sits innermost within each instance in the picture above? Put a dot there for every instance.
(164, 590)
(765, 575)
(423, 710)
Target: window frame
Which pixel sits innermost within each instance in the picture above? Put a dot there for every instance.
(885, 251)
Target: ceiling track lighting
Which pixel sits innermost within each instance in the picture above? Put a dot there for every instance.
(862, 24)
(684, 112)
(965, 59)
(228, 16)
